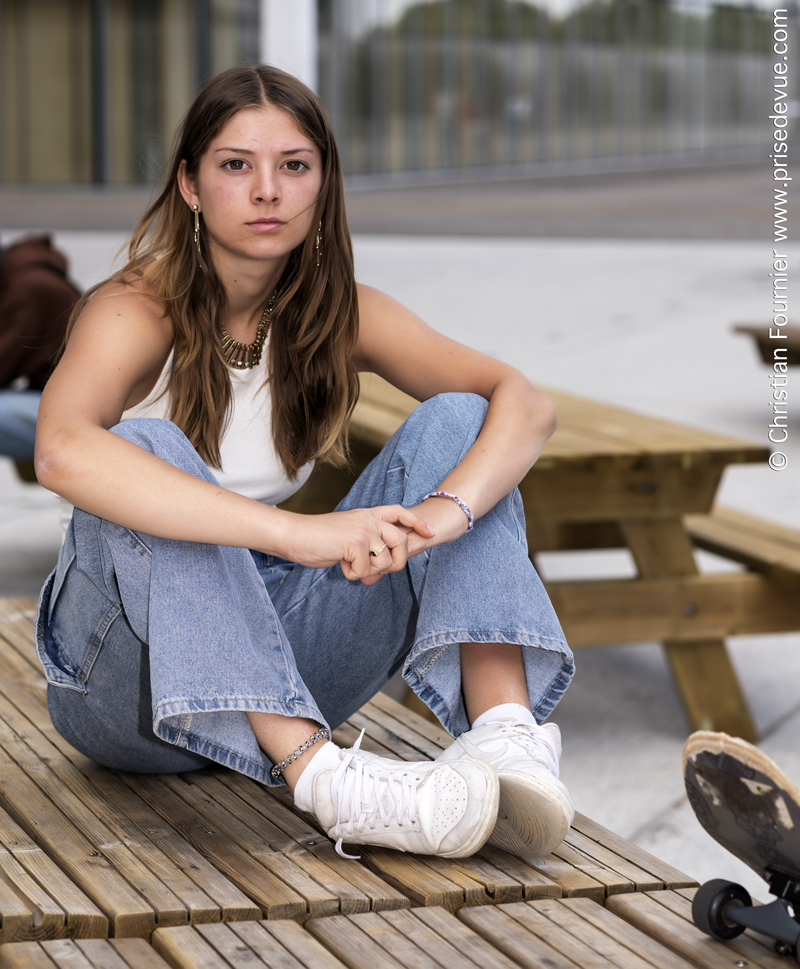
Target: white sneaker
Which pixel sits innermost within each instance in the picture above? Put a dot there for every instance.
(426, 808)
(535, 808)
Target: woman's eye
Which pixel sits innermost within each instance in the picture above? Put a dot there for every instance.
(235, 164)
(295, 165)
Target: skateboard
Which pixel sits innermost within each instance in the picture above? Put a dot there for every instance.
(748, 805)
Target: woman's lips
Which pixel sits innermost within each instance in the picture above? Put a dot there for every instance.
(266, 225)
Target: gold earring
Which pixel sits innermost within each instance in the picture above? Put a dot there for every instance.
(318, 243)
(196, 227)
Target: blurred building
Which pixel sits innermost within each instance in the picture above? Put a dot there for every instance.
(92, 90)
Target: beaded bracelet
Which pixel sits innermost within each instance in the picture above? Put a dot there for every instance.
(322, 734)
(461, 504)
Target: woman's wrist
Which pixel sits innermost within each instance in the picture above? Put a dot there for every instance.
(444, 517)
(459, 501)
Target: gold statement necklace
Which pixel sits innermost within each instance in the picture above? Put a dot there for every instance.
(244, 356)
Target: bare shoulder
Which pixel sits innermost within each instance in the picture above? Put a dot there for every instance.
(115, 353)
(125, 309)
(373, 304)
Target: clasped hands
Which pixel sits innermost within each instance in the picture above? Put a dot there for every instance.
(347, 537)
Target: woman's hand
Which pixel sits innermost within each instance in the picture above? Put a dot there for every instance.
(348, 537)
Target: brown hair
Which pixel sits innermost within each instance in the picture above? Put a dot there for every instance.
(315, 319)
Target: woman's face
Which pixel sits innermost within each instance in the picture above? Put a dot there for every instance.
(257, 186)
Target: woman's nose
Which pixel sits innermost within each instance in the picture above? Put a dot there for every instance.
(266, 187)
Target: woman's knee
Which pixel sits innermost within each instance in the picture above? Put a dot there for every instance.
(446, 426)
(466, 408)
(167, 441)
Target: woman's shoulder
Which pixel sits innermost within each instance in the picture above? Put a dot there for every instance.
(127, 302)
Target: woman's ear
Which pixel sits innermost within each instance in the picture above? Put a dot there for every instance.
(186, 186)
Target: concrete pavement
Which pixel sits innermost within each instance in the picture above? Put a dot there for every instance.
(641, 322)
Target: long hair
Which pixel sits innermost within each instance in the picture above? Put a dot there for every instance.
(314, 328)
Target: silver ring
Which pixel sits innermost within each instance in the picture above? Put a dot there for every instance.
(381, 549)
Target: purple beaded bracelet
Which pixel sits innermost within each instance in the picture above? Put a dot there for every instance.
(461, 504)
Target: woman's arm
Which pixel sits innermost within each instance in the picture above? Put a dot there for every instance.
(114, 356)
(398, 346)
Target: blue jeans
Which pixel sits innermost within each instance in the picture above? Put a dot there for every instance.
(154, 649)
(18, 412)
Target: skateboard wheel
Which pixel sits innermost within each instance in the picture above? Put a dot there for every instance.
(709, 905)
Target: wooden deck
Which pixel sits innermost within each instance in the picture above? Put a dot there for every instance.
(636, 931)
(87, 853)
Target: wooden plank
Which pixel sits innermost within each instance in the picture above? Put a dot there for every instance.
(674, 932)
(458, 872)
(125, 846)
(380, 733)
(680, 609)
(17, 621)
(207, 894)
(34, 810)
(534, 884)
(333, 894)
(571, 922)
(531, 917)
(703, 672)
(341, 936)
(612, 882)
(639, 879)
(468, 944)
(136, 953)
(415, 949)
(252, 944)
(134, 825)
(299, 942)
(276, 898)
(410, 875)
(499, 929)
(426, 749)
(185, 948)
(37, 900)
(438, 736)
(572, 881)
(497, 884)
(625, 934)
(671, 877)
(755, 542)
(251, 834)
(25, 955)
(594, 489)
(65, 953)
(594, 424)
(32, 872)
(307, 847)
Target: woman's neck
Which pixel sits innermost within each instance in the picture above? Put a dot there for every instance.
(248, 285)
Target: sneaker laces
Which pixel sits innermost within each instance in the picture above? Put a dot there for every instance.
(537, 740)
(360, 789)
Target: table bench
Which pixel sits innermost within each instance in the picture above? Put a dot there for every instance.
(639, 931)
(87, 852)
(613, 478)
(762, 546)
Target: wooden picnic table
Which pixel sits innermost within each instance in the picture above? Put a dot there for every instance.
(610, 477)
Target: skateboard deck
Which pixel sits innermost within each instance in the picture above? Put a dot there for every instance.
(744, 801)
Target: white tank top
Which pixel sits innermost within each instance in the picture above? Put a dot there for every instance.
(250, 463)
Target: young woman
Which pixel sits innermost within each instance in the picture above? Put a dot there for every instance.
(190, 620)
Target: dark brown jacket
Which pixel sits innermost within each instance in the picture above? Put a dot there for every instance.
(36, 299)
